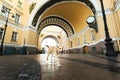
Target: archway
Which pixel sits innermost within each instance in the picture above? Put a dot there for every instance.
(53, 32)
(73, 22)
(58, 21)
(50, 41)
(92, 4)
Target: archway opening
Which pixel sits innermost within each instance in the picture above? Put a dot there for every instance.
(52, 35)
(49, 42)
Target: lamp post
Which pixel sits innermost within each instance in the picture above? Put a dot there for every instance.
(2, 42)
(108, 44)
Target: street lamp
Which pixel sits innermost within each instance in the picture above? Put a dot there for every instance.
(108, 44)
(2, 42)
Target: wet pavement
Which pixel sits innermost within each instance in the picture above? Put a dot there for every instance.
(82, 67)
(17, 67)
(73, 67)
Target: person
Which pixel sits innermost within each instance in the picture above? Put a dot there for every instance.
(53, 51)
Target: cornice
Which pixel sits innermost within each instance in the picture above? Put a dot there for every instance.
(7, 3)
(107, 11)
(18, 10)
(11, 23)
(76, 35)
(30, 27)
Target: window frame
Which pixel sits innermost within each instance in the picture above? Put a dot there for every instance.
(17, 18)
(14, 36)
(19, 4)
(1, 32)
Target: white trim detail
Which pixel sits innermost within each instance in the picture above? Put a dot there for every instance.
(83, 31)
(37, 7)
(117, 5)
(11, 44)
(113, 39)
(30, 45)
(107, 11)
(30, 28)
(11, 24)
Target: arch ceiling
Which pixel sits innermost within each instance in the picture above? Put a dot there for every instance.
(55, 20)
(51, 36)
(72, 12)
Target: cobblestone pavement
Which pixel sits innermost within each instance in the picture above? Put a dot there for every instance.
(17, 67)
(73, 67)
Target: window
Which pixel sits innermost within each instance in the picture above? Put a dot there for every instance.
(6, 9)
(19, 4)
(14, 36)
(1, 33)
(17, 18)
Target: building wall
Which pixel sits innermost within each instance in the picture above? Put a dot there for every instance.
(33, 38)
(22, 28)
(85, 35)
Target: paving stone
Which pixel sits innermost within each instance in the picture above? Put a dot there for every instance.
(14, 67)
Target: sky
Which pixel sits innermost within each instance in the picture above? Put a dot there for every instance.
(49, 42)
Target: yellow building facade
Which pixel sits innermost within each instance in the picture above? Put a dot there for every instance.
(24, 30)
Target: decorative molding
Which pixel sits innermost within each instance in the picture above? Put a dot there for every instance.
(101, 40)
(11, 44)
(19, 11)
(83, 31)
(51, 32)
(58, 21)
(117, 4)
(16, 26)
(30, 28)
(107, 11)
(10, 23)
(7, 3)
(18, 45)
(30, 45)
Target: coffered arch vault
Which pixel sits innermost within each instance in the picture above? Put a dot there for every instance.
(58, 21)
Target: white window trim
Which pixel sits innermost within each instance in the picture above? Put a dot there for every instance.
(19, 19)
(15, 37)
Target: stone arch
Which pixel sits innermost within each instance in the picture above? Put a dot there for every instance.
(58, 21)
(92, 4)
(51, 36)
